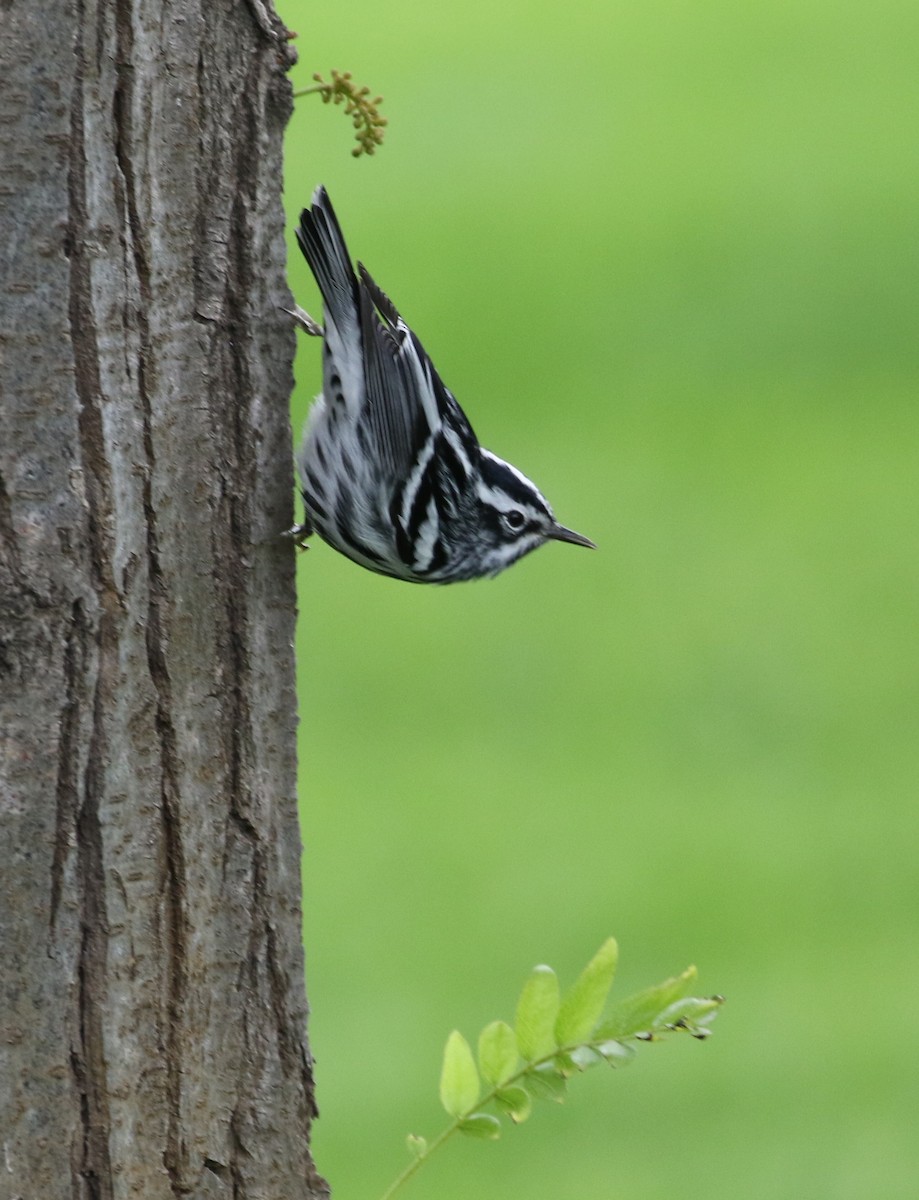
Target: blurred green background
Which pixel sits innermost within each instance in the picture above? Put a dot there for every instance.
(665, 253)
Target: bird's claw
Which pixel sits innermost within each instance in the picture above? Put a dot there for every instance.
(298, 535)
(304, 320)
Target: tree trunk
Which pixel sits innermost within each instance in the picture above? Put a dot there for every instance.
(152, 1007)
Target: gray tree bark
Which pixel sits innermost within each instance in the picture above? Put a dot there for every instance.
(152, 1005)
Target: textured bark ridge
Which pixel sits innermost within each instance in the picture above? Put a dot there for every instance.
(152, 1008)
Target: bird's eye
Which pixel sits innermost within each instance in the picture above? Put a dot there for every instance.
(514, 520)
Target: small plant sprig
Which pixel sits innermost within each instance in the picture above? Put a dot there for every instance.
(553, 1038)
(363, 111)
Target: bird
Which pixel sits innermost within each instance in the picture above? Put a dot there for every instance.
(391, 473)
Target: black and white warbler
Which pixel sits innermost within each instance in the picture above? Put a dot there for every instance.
(391, 473)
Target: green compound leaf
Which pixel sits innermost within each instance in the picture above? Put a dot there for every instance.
(584, 1002)
(497, 1052)
(557, 1040)
(483, 1126)
(515, 1102)
(459, 1079)
(641, 1012)
(537, 1010)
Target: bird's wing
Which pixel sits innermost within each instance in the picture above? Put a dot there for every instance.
(407, 402)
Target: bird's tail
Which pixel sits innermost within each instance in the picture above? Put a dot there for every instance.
(323, 245)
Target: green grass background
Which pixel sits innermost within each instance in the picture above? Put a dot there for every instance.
(665, 253)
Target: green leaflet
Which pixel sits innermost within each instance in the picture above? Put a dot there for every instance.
(692, 1013)
(515, 1102)
(584, 1001)
(459, 1079)
(497, 1052)
(639, 1012)
(481, 1125)
(537, 1010)
(544, 1081)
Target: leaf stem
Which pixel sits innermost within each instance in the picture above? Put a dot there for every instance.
(419, 1159)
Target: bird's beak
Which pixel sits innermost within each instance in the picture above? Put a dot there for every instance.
(560, 534)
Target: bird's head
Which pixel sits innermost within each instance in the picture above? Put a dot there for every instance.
(514, 516)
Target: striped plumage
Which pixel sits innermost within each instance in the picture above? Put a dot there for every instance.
(391, 472)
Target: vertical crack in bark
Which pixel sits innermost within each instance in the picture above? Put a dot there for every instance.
(237, 717)
(241, 481)
(173, 849)
(68, 794)
(292, 1048)
(91, 1163)
(97, 476)
(176, 921)
(89, 1064)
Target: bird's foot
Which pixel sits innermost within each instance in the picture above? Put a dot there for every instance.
(298, 535)
(304, 320)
